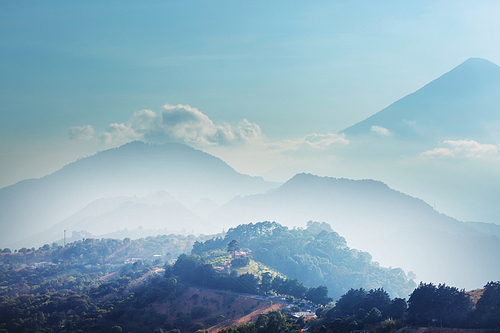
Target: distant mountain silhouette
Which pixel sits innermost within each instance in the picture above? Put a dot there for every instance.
(463, 103)
(135, 169)
(155, 214)
(487, 228)
(397, 229)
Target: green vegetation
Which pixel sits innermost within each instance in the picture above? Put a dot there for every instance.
(273, 321)
(487, 312)
(90, 285)
(98, 306)
(315, 256)
(444, 305)
(195, 271)
(110, 285)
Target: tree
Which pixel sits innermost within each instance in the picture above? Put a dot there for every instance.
(438, 305)
(318, 295)
(454, 306)
(233, 246)
(373, 316)
(396, 309)
(265, 284)
(185, 267)
(421, 309)
(351, 301)
(377, 298)
(487, 313)
(247, 283)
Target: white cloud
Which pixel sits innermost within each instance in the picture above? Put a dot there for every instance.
(81, 133)
(463, 149)
(311, 144)
(145, 121)
(180, 123)
(188, 125)
(380, 130)
(185, 124)
(118, 134)
(243, 145)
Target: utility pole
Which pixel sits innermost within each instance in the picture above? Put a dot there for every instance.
(64, 238)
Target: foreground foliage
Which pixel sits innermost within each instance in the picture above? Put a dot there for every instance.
(92, 285)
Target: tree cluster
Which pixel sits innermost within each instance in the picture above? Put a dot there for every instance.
(487, 311)
(315, 256)
(270, 322)
(442, 305)
(195, 271)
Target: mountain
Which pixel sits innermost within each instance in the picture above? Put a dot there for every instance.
(397, 229)
(487, 228)
(121, 217)
(135, 169)
(461, 104)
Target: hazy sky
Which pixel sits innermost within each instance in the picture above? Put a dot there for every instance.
(264, 85)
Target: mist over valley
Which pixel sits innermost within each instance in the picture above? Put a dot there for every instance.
(142, 189)
(250, 167)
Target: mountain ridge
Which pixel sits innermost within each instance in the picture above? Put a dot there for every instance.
(459, 103)
(397, 229)
(137, 168)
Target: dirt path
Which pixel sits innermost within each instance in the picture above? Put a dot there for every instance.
(248, 318)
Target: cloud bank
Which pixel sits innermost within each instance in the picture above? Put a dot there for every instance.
(242, 145)
(312, 144)
(183, 124)
(469, 149)
(85, 133)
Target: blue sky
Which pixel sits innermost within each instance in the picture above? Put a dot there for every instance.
(265, 76)
(323, 65)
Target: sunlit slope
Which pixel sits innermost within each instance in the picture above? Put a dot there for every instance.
(397, 229)
(33, 205)
(463, 103)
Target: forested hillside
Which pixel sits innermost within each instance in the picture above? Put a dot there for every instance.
(315, 256)
(396, 229)
(112, 285)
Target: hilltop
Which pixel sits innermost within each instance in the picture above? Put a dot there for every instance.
(395, 228)
(135, 169)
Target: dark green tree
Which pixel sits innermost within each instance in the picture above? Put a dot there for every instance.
(377, 298)
(351, 301)
(266, 280)
(373, 316)
(487, 312)
(396, 309)
(440, 305)
(318, 295)
(233, 246)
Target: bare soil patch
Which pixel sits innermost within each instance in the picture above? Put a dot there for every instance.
(230, 309)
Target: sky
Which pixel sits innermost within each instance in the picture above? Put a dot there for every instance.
(266, 86)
